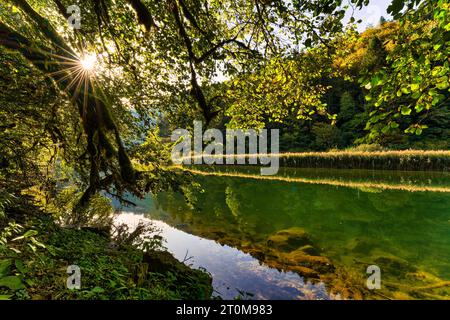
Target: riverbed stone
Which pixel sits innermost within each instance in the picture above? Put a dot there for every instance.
(289, 239)
(309, 249)
(304, 271)
(394, 266)
(318, 263)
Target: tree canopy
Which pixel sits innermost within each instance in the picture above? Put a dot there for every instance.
(239, 63)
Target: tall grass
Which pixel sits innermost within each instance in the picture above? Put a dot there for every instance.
(414, 160)
(408, 160)
(331, 182)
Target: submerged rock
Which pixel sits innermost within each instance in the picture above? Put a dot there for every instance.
(304, 271)
(318, 263)
(292, 250)
(309, 249)
(394, 266)
(289, 239)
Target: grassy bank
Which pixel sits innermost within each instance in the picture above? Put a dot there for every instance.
(34, 256)
(332, 182)
(414, 160)
(408, 160)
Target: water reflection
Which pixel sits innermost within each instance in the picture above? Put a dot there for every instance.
(325, 233)
(234, 272)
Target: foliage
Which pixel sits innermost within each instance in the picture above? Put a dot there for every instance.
(6, 200)
(144, 237)
(415, 79)
(72, 138)
(33, 266)
(235, 63)
(327, 136)
(282, 88)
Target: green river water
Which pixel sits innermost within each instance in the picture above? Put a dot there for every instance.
(311, 233)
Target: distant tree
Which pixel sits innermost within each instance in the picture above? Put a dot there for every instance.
(347, 107)
(375, 57)
(326, 136)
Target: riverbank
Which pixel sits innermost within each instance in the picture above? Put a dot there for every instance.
(35, 255)
(402, 160)
(407, 160)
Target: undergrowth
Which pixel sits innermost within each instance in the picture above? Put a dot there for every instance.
(34, 258)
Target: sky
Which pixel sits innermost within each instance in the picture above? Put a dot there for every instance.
(371, 14)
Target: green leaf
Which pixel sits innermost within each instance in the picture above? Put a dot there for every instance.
(4, 267)
(20, 266)
(98, 290)
(415, 87)
(376, 80)
(405, 90)
(27, 234)
(5, 296)
(37, 243)
(12, 282)
(415, 95)
(394, 125)
(308, 43)
(30, 233)
(418, 108)
(442, 85)
(395, 7)
(405, 110)
(410, 130)
(437, 71)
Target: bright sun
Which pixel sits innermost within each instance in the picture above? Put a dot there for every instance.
(88, 62)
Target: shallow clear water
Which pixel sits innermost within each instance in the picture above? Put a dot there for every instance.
(234, 272)
(350, 219)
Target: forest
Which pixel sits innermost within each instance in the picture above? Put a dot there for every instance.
(90, 91)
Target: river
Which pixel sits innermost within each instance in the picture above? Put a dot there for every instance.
(310, 233)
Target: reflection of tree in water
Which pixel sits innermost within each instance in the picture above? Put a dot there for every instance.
(295, 227)
(232, 201)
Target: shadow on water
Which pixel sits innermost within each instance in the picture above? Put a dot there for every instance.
(285, 239)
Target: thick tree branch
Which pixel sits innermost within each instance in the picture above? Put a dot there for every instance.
(143, 14)
(96, 118)
(44, 26)
(220, 45)
(61, 8)
(196, 89)
(189, 16)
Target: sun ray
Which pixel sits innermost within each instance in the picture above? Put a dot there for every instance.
(66, 70)
(77, 90)
(85, 93)
(72, 74)
(88, 62)
(75, 72)
(78, 77)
